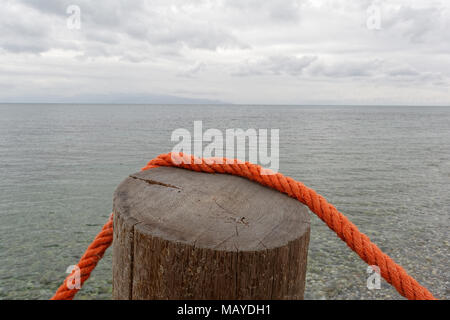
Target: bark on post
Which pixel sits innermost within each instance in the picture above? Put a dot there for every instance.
(180, 234)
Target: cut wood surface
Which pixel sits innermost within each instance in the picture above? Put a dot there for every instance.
(180, 234)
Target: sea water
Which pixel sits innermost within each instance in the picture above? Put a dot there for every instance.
(386, 168)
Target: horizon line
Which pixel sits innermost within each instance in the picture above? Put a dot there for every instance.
(230, 104)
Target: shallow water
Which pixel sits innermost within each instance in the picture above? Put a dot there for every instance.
(386, 168)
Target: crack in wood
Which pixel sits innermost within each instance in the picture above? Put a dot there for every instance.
(149, 181)
(232, 218)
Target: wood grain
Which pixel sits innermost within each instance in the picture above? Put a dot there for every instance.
(180, 234)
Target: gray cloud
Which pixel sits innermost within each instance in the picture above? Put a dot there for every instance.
(343, 69)
(194, 70)
(19, 33)
(276, 65)
(228, 50)
(284, 11)
(416, 24)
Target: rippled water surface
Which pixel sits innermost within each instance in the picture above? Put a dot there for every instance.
(386, 168)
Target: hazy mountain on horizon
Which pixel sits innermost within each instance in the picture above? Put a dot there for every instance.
(113, 99)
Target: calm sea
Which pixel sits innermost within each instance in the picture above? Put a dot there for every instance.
(386, 168)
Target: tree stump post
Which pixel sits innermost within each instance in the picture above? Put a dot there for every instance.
(180, 234)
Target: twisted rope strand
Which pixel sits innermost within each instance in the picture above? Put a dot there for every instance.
(88, 262)
(335, 220)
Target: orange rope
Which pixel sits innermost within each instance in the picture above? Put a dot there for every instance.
(394, 274)
(88, 261)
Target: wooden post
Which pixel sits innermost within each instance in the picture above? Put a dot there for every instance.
(180, 234)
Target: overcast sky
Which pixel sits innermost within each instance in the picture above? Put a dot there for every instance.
(236, 51)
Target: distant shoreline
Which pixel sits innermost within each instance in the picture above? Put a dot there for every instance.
(224, 104)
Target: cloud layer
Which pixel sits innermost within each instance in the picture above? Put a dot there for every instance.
(262, 52)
